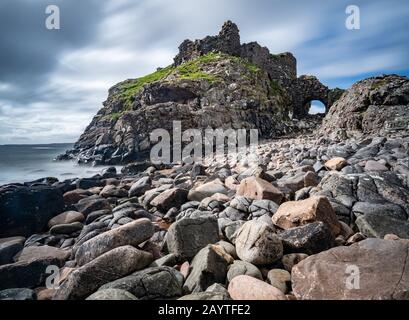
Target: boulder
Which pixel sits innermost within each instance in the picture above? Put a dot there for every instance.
(169, 199)
(336, 163)
(66, 218)
(257, 189)
(88, 205)
(133, 234)
(310, 239)
(248, 288)
(207, 190)
(258, 244)
(8, 250)
(297, 213)
(372, 269)
(389, 209)
(108, 267)
(26, 274)
(372, 165)
(208, 267)
(42, 253)
(140, 187)
(279, 279)
(151, 283)
(239, 268)
(67, 228)
(377, 225)
(188, 236)
(27, 210)
(113, 191)
(74, 196)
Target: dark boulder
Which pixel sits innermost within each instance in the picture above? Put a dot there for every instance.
(27, 210)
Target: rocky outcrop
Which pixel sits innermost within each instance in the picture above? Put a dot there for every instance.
(216, 82)
(27, 210)
(377, 105)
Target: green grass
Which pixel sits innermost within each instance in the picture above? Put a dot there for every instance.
(116, 115)
(132, 88)
(275, 88)
(192, 70)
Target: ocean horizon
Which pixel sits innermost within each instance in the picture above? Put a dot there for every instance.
(21, 163)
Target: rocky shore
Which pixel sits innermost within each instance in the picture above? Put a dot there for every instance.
(288, 228)
(323, 215)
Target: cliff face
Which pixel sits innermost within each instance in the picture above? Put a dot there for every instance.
(377, 105)
(215, 82)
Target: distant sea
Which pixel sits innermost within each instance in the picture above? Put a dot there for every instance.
(24, 163)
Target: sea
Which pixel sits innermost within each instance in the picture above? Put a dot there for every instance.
(24, 163)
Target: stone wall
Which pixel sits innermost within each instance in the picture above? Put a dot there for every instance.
(281, 68)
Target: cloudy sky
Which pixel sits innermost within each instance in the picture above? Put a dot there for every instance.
(52, 82)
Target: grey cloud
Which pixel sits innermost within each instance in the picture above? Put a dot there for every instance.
(58, 79)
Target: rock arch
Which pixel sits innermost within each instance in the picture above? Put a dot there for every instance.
(307, 89)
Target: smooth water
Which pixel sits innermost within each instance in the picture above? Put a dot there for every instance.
(23, 163)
